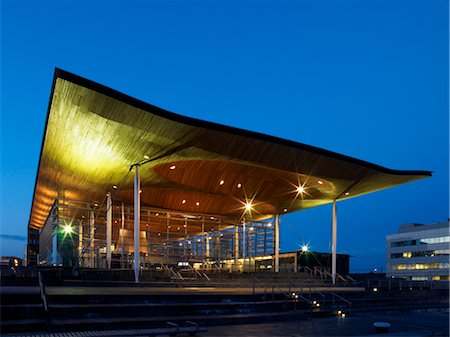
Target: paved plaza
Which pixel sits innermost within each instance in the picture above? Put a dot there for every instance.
(419, 324)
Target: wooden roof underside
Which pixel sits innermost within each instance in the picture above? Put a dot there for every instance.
(94, 134)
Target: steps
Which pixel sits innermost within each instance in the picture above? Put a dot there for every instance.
(22, 313)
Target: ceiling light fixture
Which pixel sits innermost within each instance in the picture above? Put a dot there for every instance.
(222, 182)
(172, 167)
(300, 189)
(248, 206)
(197, 204)
(239, 185)
(320, 182)
(183, 201)
(146, 157)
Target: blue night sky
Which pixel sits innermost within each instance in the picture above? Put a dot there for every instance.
(368, 79)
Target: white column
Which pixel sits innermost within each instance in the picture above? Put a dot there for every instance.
(203, 244)
(137, 214)
(80, 244)
(277, 244)
(236, 247)
(333, 243)
(208, 252)
(91, 239)
(244, 253)
(108, 229)
(123, 227)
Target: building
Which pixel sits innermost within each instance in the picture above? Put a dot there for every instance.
(11, 261)
(419, 252)
(123, 183)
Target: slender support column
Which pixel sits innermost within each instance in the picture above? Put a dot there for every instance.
(123, 228)
(108, 229)
(91, 239)
(185, 240)
(244, 244)
(203, 243)
(277, 244)
(167, 238)
(55, 244)
(219, 256)
(333, 243)
(137, 220)
(236, 247)
(80, 244)
(208, 252)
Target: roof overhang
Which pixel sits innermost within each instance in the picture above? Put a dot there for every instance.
(94, 134)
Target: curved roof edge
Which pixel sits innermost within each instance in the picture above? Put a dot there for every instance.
(102, 89)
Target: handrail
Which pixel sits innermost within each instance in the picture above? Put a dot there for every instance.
(342, 278)
(206, 276)
(44, 299)
(350, 278)
(341, 298)
(345, 300)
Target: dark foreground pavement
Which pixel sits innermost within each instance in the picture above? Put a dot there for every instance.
(418, 324)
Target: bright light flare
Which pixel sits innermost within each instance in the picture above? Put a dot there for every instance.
(67, 230)
(248, 206)
(305, 248)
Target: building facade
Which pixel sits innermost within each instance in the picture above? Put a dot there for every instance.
(123, 183)
(419, 252)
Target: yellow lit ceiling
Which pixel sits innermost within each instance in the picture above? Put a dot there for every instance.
(94, 134)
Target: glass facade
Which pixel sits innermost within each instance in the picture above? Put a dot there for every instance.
(427, 241)
(419, 252)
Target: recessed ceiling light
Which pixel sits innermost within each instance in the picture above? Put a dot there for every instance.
(115, 187)
(140, 191)
(285, 210)
(347, 193)
(320, 182)
(183, 201)
(197, 204)
(239, 185)
(172, 167)
(157, 214)
(248, 206)
(222, 182)
(146, 157)
(300, 189)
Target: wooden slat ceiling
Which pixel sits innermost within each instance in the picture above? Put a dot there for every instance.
(94, 134)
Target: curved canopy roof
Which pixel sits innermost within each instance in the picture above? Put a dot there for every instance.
(94, 134)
